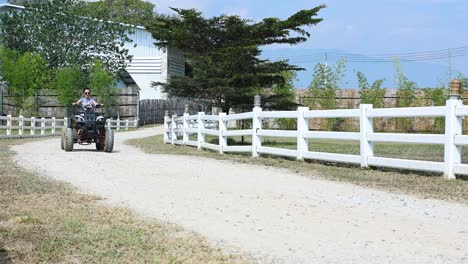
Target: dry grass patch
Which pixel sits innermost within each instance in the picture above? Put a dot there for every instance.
(419, 184)
(42, 220)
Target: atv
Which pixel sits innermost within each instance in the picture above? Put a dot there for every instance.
(86, 126)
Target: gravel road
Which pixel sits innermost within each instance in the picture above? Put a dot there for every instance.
(274, 215)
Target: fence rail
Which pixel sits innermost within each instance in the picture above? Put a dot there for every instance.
(178, 130)
(118, 124)
(22, 127)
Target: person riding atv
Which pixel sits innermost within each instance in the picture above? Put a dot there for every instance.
(86, 126)
(86, 101)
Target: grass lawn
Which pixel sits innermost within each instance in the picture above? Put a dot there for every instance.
(42, 220)
(423, 185)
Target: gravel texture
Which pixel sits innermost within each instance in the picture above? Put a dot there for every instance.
(274, 215)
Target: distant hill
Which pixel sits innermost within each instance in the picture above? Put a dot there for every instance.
(425, 74)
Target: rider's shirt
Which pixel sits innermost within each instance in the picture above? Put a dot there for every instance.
(87, 103)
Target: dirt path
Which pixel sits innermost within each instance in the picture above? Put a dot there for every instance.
(272, 214)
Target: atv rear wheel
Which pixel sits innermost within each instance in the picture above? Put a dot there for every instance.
(109, 141)
(68, 139)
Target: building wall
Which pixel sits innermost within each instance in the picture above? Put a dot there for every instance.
(152, 64)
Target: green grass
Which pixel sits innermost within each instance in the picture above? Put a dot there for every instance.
(46, 221)
(424, 185)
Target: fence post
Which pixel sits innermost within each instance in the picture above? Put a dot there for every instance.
(173, 127)
(65, 123)
(21, 125)
(366, 127)
(222, 128)
(302, 128)
(256, 126)
(33, 126)
(166, 129)
(54, 125)
(108, 121)
(9, 125)
(453, 126)
(185, 126)
(42, 126)
(126, 124)
(200, 126)
(118, 123)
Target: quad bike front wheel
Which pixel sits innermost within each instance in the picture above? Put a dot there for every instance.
(99, 146)
(109, 140)
(68, 139)
(62, 139)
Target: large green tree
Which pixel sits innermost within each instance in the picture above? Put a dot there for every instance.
(223, 54)
(134, 12)
(54, 30)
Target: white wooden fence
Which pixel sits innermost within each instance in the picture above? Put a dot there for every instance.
(22, 127)
(118, 124)
(178, 131)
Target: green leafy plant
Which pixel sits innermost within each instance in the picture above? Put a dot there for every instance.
(25, 74)
(102, 82)
(69, 82)
(439, 96)
(405, 95)
(373, 94)
(323, 89)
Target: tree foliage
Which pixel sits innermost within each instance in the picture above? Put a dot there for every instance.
(52, 29)
(69, 82)
(405, 88)
(223, 54)
(102, 82)
(406, 96)
(25, 74)
(133, 12)
(324, 86)
(373, 94)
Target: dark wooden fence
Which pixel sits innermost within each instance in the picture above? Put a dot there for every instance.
(47, 105)
(152, 111)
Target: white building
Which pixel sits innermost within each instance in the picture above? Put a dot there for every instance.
(149, 63)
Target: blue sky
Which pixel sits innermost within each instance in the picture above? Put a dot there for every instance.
(363, 27)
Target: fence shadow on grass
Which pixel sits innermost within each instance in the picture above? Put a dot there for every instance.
(4, 258)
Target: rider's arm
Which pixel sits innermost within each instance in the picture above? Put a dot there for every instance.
(96, 103)
(77, 102)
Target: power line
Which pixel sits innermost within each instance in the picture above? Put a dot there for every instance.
(371, 58)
